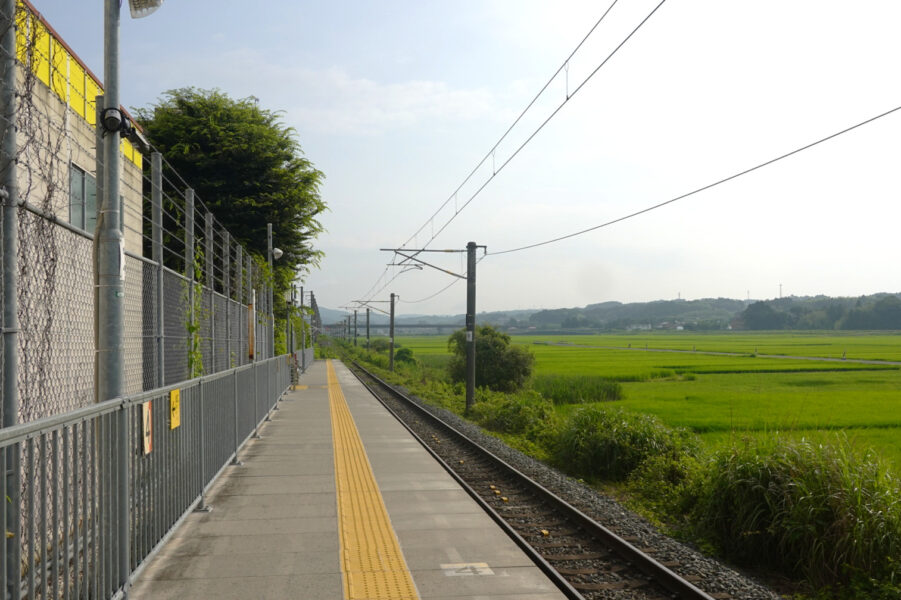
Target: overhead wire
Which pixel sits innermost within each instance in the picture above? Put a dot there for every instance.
(700, 189)
(491, 152)
(546, 121)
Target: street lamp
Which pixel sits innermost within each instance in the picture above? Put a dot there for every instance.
(142, 8)
(109, 274)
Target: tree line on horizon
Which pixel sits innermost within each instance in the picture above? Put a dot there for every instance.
(872, 312)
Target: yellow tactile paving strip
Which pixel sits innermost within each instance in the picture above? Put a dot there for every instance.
(373, 567)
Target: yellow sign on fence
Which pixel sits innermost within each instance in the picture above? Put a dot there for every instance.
(174, 409)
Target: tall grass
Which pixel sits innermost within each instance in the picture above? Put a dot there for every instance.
(577, 389)
(822, 511)
(601, 443)
(525, 413)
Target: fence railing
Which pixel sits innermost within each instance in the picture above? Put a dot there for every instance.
(103, 487)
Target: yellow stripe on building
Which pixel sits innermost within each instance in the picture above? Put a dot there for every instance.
(56, 68)
(372, 565)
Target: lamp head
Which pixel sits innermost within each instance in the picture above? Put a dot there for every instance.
(277, 253)
(142, 8)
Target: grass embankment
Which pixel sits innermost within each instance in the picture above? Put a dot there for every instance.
(692, 440)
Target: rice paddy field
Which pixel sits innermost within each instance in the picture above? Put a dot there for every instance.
(729, 386)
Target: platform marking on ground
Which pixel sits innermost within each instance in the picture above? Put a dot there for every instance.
(466, 569)
(372, 564)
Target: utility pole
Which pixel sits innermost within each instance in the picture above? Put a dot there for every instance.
(391, 336)
(367, 328)
(411, 260)
(470, 325)
(355, 327)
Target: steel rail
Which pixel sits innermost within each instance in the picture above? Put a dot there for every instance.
(568, 590)
(652, 568)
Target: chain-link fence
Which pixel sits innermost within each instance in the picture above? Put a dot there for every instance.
(87, 483)
(189, 288)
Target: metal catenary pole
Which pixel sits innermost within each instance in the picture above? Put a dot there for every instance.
(391, 336)
(10, 198)
(367, 328)
(470, 324)
(355, 327)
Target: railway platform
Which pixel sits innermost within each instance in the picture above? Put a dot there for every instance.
(337, 500)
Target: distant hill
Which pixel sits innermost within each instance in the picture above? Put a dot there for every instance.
(877, 311)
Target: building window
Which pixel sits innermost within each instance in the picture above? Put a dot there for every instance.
(82, 199)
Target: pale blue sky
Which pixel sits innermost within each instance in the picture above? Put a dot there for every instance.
(397, 101)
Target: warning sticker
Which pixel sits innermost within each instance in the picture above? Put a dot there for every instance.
(147, 426)
(174, 409)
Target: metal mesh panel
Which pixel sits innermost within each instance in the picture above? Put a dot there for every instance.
(56, 319)
(175, 319)
(221, 345)
(204, 318)
(238, 334)
(138, 367)
(149, 325)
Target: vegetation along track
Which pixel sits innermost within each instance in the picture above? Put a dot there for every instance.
(584, 558)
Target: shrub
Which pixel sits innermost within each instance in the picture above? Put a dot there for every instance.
(668, 484)
(824, 512)
(577, 389)
(404, 355)
(600, 443)
(524, 413)
(500, 366)
(381, 345)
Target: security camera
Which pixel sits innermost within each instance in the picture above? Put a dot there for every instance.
(111, 119)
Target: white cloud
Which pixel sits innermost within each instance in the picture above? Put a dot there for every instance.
(326, 100)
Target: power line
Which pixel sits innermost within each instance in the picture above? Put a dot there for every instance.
(700, 189)
(540, 127)
(442, 290)
(529, 139)
(510, 128)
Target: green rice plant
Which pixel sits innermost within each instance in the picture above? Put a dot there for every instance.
(601, 443)
(825, 512)
(577, 389)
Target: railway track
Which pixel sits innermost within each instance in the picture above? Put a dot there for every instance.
(585, 559)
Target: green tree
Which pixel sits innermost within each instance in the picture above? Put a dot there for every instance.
(761, 315)
(247, 167)
(500, 366)
(404, 355)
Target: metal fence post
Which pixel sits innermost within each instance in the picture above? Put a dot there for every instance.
(242, 301)
(203, 506)
(156, 180)
(303, 336)
(9, 197)
(227, 288)
(210, 282)
(256, 403)
(235, 460)
(189, 273)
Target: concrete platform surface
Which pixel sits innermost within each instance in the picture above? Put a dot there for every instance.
(273, 532)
